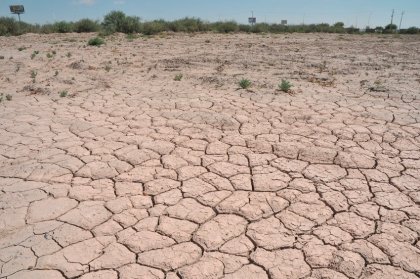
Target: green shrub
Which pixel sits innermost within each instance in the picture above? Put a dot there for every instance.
(188, 25)
(86, 25)
(225, 27)
(117, 21)
(244, 28)
(285, 86)
(261, 28)
(391, 28)
(63, 93)
(154, 27)
(245, 83)
(8, 26)
(62, 27)
(97, 41)
(178, 77)
(411, 30)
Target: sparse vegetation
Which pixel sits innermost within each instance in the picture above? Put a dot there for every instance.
(8, 97)
(50, 55)
(33, 74)
(117, 21)
(86, 25)
(56, 73)
(245, 83)
(63, 93)
(131, 37)
(68, 54)
(34, 54)
(21, 48)
(108, 67)
(285, 86)
(178, 77)
(97, 41)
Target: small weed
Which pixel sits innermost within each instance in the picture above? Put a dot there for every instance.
(54, 52)
(34, 74)
(96, 42)
(245, 83)
(21, 48)
(285, 86)
(108, 68)
(17, 68)
(178, 77)
(131, 37)
(323, 66)
(35, 53)
(68, 54)
(207, 41)
(49, 55)
(9, 97)
(63, 93)
(56, 73)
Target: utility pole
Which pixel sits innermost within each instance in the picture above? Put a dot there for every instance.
(392, 16)
(370, 16)
(402, 15)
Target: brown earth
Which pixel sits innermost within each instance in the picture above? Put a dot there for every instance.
(135, 175)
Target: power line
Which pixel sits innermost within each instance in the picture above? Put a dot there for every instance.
(402, 15)
(392, 16)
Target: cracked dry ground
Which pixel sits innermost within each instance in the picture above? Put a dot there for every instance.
(135, 175)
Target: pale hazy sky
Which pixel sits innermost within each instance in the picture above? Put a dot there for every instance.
(352, 12)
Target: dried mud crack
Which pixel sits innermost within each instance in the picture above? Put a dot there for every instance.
(135, 175)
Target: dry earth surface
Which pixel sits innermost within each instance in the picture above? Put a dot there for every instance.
(136, 175)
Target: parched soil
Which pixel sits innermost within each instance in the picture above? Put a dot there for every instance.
(110, 168)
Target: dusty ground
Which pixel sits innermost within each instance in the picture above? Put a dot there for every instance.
(135, 175)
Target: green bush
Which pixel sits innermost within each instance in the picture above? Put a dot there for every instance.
(86, 25)
(188, 25)
(62, 27)
(411, 30)
(97, 41)
(225, 27)
(261, 28)
(245, 83)
(117, 21)
(178, 77)
(244, 28)
(390, 28)
(63, 93)
(113, 21)
(285, 86)
(8, 26)
(154, 27)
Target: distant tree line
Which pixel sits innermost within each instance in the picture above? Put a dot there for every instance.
(117, 21)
